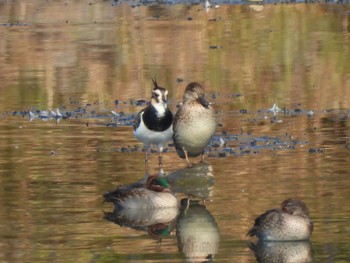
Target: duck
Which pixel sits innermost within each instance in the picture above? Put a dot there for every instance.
(194, 123)
(153, 124)
(156, 194)
(290, 222)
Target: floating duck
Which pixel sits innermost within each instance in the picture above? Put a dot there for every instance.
(156, 194)
(291, 222)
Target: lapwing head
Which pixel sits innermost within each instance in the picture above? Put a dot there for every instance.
(159, 95)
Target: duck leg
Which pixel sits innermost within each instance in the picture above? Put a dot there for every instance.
(202, 157)
(188, 204)
(186, 156)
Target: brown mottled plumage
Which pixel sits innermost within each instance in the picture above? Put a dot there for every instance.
(291, 222)
(194, 123)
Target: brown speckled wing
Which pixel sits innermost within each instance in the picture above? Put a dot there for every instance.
(177, 118)
(184, 114)
(135, 192)
(122, 193)
(265, 221)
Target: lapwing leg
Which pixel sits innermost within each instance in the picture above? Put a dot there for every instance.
(186, 156)
(146, 176)
(161, 172)
(160, 157)
(146, 158)
(159, 243)
(160, 160)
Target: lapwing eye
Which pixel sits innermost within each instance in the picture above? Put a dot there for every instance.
(156, 94)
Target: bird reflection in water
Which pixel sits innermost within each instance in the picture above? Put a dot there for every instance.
(283, 251)
(197, 232)
(195, 182)
(158, 223)
(150, 207)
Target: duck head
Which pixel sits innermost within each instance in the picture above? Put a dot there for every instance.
(157, 184)
(194, 92)
(294, 207)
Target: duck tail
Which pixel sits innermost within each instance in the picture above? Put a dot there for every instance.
(252, 232)
(109, 196)
(114, 195)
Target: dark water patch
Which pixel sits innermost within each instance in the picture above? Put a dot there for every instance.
(139, 102)
(14, 24)
(316, 150)
(224, 144)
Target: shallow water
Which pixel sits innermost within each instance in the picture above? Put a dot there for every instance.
(89, 58)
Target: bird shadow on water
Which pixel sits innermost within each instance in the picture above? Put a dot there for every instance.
(196, 231)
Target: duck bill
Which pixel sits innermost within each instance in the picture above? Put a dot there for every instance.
(203, 101)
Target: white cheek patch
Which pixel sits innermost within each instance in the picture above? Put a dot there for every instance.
(161, 108)
(159, 93)
(159, 104)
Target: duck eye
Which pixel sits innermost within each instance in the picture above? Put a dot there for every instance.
(154, 183)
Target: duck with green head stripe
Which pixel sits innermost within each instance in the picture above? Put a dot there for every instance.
(156, 194)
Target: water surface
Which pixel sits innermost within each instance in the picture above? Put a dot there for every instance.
(89, 58)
